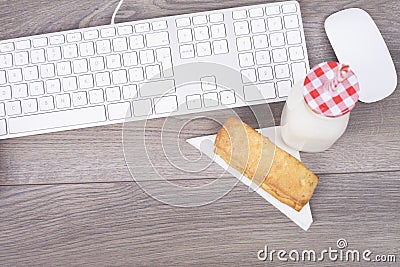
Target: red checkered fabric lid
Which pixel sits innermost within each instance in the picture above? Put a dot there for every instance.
(331, 89)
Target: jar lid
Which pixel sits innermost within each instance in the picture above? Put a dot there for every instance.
(331, 89)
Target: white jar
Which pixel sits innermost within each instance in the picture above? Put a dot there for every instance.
(308, 130)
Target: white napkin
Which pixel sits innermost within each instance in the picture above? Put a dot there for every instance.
(206, 145)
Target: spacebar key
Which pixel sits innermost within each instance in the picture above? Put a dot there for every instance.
(57, 119)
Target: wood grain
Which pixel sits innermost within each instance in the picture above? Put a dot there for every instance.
(103, 224)
(68, 198)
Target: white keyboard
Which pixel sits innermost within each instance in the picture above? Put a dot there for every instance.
(150, 69)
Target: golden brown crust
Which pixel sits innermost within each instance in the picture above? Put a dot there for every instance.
(278, 173)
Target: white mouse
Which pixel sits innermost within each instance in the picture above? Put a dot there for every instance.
(357, 41)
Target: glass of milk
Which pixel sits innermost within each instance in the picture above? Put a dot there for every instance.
(317, 110)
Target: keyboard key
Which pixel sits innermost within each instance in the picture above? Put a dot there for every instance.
(129, 59)
(96, 63)
(53, 86)
(241, 28)
(256, 12)
(243, 43)
(289, 8)
(119, 111)
(216, 17)
(14, 75)
(40, 42)
(120, 44)
(136, 41)
(299, 71)
(277, 39)
(284, 88)
(274, 24)
(142, 27)
(6, 47)
(246, 60)
(108, 32)
(291, 22)
(296, 53)
(259, 92)
(21, 58)
(159, 25)
(265, 73)
(29, 106)
(91, 35)
(163, 56)
(86, 49)
(69, 84)
(113, 94)
(203, 49)
(272, 10)
(23, 45)
(218, 31)
(282, 71)
(146, 56)
(103, 46)
(79, 99)
(47, 71)
(152, 72)
(157, 39)
(258, 26)
(63, 101)
(136, 74)
(3, 127)
(13, 108)
(64, 68)
(31, 73)
(3, 79)
(102, 79)
(57, 39)
(5, 92)
(125, 30)
(193, 101)
(80, 66)
(279, 55)
(19, 90)
(210, 99)
(239, 14)
(57, 119)
(201, 33)
(2, 110)
(186, 51)
(185, 35)
(37, 56)
(119, 77)
(142, 107)
(249, 75)
(96, 96)
(36, 88)
(199, 20)
(113, 61)
(208, 83)
(182, 22)
(54, 53)
(129, 91)
(157, 88)
(220, 47)
(6, 61)
(293, 37)
(74, 37)
(260, 41)
(166, 104)
(46, 103)
(227, 97)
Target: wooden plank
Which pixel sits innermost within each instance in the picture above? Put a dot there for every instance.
(118, 224)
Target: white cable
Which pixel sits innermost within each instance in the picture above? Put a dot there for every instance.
(116, 11)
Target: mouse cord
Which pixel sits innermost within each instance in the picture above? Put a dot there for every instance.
(116, 11)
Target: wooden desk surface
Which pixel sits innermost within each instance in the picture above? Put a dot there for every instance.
(68, 198)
